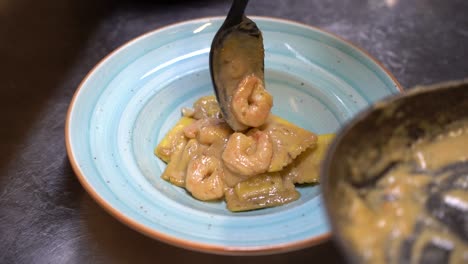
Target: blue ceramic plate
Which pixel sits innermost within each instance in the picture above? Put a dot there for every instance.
(128, 102)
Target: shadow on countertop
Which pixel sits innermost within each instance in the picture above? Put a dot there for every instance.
(41, 42)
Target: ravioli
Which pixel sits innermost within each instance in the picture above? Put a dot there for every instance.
(173, 140)
(206, 107)
(266, 190)
(306, 167)
(201, 135)
(288, 141)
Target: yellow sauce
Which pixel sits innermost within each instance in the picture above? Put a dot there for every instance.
(408, 215)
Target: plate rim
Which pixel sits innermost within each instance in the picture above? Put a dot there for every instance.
(161, 236)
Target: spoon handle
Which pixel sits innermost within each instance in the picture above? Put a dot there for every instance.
(236, 13)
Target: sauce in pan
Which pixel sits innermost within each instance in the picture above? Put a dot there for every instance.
(416, 211)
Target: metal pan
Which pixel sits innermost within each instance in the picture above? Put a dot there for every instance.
(366, 147)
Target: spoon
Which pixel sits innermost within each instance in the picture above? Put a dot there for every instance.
(236, 51)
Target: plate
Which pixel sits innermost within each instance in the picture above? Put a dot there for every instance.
(128, 102)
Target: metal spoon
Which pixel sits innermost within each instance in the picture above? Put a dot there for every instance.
(236, 51)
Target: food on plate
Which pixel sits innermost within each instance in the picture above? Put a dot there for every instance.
(252, 169)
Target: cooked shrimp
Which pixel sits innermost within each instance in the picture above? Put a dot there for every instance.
(206, 106)
(204, 178)
(231, 179)
(251, 103)
(248, 155)
(188, 112)
(211, 134)
(175, 171)
(192, 130)
(208, 130)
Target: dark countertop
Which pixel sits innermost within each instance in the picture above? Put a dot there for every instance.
(47, 47)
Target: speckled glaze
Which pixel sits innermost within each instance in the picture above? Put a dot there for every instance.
(128, 102)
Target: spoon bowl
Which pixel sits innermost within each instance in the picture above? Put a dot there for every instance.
(236, 51)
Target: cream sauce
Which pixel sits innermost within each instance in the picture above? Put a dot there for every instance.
(238, 58)
(211, 161)
(393, 212)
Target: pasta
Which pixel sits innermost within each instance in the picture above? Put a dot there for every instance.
(253, 169)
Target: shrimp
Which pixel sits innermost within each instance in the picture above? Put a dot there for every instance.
(251, 103)
(204, 178)
(206, 106)
(248, 155)
(208, 130)
(192, 130)
(212, 134)
(175, 171)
